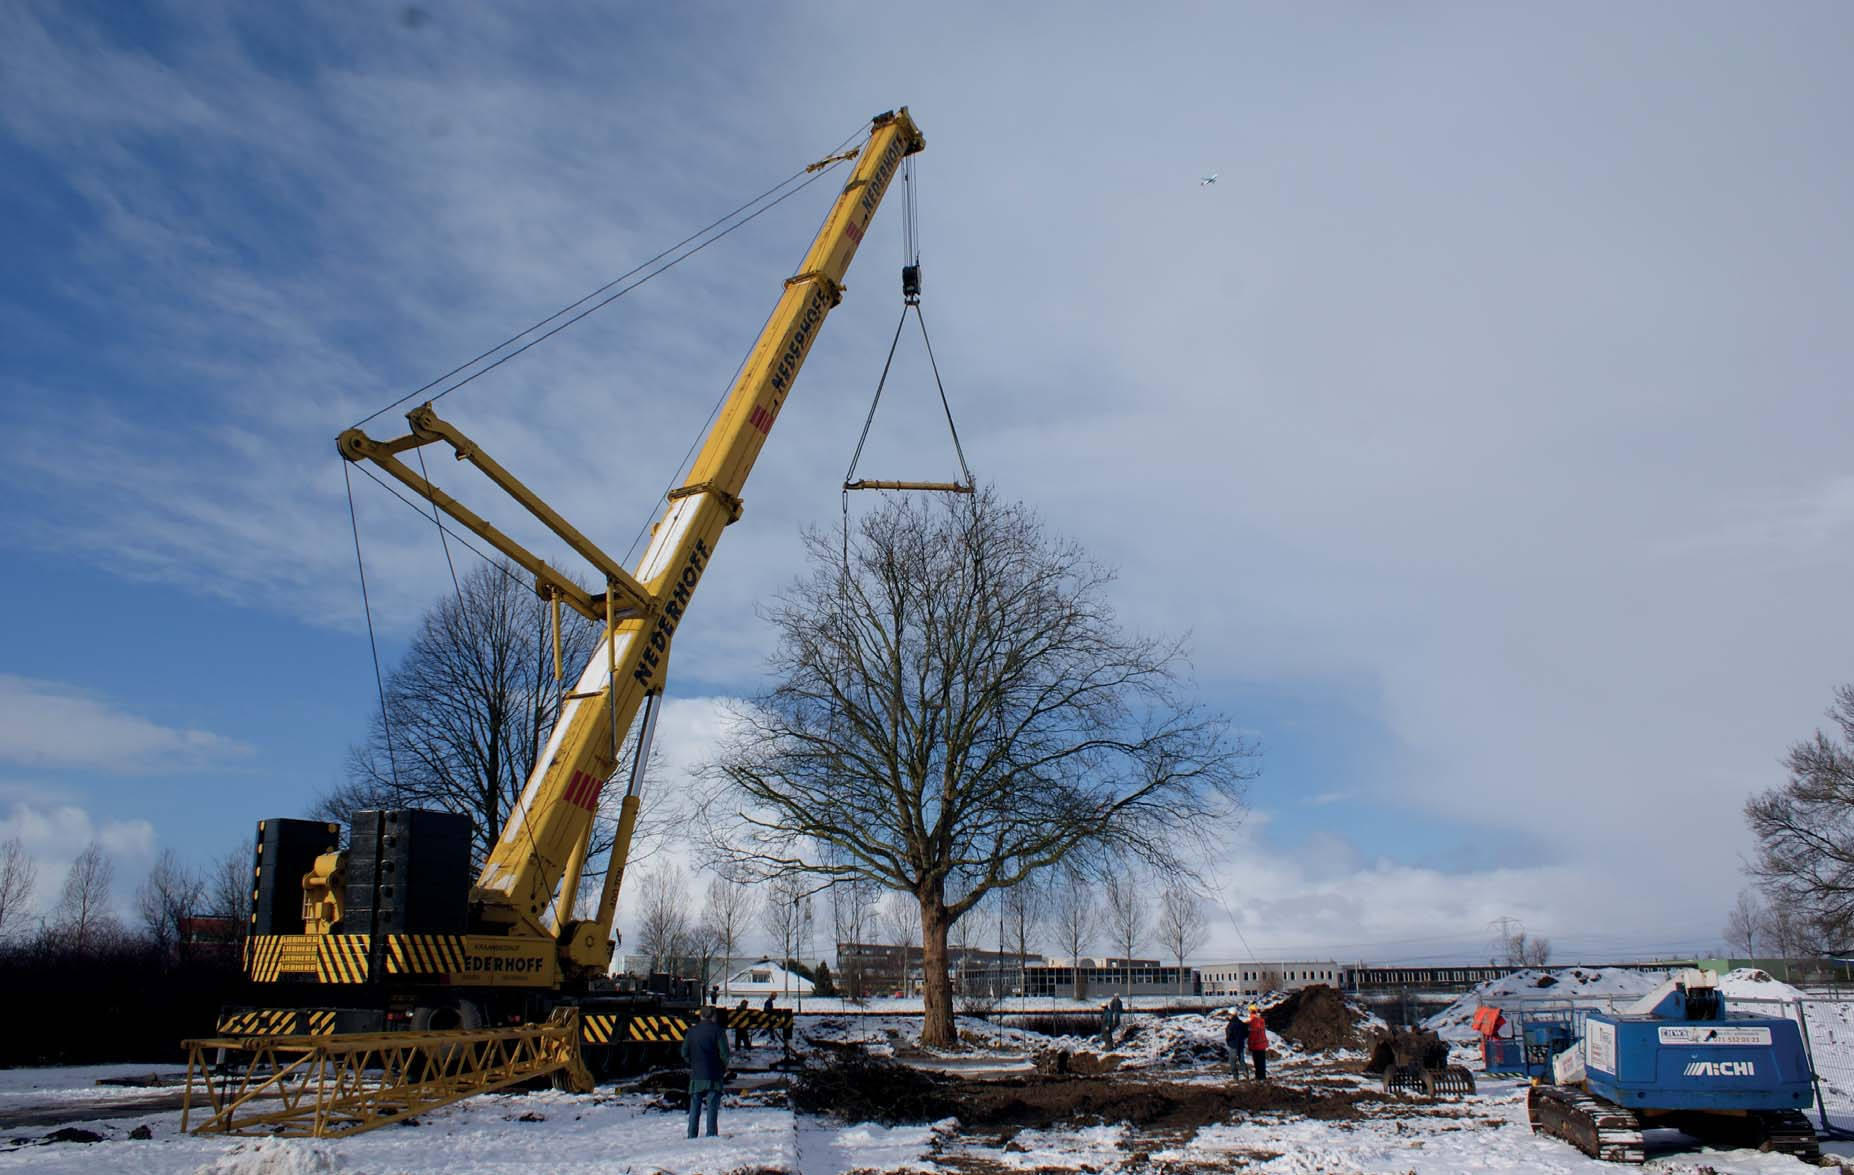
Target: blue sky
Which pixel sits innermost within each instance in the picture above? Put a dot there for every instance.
(1485, 424)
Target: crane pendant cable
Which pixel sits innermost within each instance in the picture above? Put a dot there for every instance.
(910, 301)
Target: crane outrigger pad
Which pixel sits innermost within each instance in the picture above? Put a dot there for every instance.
(331, 1086)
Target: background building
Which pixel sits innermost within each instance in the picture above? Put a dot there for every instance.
(1255, 977)
(1086, 977)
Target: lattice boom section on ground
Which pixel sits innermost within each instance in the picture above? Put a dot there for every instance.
(329, 1086)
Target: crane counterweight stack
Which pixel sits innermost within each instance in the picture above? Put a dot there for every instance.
(522, 951)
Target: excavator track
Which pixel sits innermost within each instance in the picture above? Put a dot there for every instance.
(1600, 1129)
(1790, 1132)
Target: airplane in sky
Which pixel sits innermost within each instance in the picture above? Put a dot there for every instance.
(1208, 180)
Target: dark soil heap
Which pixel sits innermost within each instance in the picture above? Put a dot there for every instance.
(1316, 1019)
(1041, 1103)
(860, 1088)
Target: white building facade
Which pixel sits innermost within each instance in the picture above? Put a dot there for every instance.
(1255, 978)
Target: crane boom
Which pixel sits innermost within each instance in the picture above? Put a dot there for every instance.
(544, 840)
(381, 934)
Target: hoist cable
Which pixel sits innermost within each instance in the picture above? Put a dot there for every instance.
(633, 271)
(460, 540)
(534, 849)
(379, 681)
(952, 428)
(714, 409)
(439, 523)
(869, 420)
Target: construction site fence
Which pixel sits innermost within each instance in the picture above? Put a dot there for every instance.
(1827, 1027)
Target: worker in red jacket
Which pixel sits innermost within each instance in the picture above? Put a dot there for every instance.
(1258, 1041)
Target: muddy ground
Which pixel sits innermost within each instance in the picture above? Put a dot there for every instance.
(855, 1086)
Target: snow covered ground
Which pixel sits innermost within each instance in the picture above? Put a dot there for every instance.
(606, 1135)
(1600, 988)
(627, 1134)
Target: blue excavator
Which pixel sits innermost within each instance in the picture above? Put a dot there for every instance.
(1677, 1058)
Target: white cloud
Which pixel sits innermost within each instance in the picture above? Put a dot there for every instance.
(53, 836)
(45, 724)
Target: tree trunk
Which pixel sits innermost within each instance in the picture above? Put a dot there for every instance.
(936, 983)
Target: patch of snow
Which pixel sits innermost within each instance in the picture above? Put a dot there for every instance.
(275, 1156)
(1603, 988)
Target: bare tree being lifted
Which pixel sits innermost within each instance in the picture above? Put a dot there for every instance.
(1805, 839)
(958, 707)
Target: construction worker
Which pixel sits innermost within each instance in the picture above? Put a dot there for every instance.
(743, 1037)
(1110, 1020)
(1235, 1036)
(772, 1033)
(704, 1047)
(1258, 1041)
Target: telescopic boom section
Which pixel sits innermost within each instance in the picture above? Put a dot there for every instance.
(544, 839)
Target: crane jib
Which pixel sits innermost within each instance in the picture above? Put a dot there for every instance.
(650, 658)
(878, 183)
(798, 344)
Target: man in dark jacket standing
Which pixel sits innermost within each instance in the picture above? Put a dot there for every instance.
(704, 1046)
(743, 1037)
(1110, 1021)
(1235, 1036)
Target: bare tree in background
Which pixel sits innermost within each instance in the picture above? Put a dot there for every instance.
(1792, 935)
(83, 916)
(786, 916)
(660, 926)
(1128, 919)
(229, 884)
(1181, 924)
(1744, 924)
(1515, 948)
(852, 910)
(1805, 834)
(469, 708)
(165, 900)
(901, 921)
(701, 946)
(1075, 919)
(729, 911)
(1024, 908)
(19, 876)
(966, 936)
(957, 708)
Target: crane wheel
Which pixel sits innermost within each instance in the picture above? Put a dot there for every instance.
(459, 1013)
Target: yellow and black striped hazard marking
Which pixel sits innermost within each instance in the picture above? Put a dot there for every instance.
(779, 1018)
(263, 1023)
(341, 958)
(656, 1028)
(269, 957)
(277, 1022)
(598, 1028)
(424, 954)
(263, 954)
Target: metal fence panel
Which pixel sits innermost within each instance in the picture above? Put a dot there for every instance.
(1828, 1035)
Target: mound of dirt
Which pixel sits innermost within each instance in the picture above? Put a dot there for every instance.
(1064, 1063)
(855, 1086)
(1316, 1019)
(1039, 1103)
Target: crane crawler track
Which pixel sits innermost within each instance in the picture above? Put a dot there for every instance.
(1598, 1128)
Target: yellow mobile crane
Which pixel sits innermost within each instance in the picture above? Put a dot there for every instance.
(382, 934)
